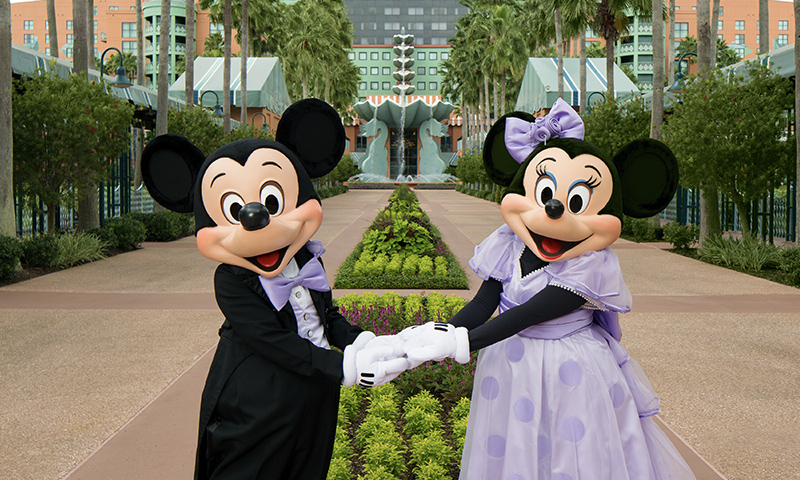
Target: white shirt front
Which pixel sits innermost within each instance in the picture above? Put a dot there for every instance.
(309, 325)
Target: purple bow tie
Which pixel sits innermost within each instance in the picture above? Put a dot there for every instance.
(311, 276)
(522, 137)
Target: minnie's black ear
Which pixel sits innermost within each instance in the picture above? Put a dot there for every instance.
(648, 172)
(169, 169)
(313, 130)
(500, 165)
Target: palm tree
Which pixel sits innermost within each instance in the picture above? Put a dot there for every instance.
(80, 57)
(658, 70)
(52, 31)
(226, 68)
(7, 223)
(188, 58)
(709, 204)
(163, 69)
(671, 42)
(612, 20)
(244, 42)
(139, 44)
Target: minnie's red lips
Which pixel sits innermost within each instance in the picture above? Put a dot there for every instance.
(268, 260)
(551, 249)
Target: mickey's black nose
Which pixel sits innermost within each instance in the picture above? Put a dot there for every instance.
(254, 216)
(553, 208)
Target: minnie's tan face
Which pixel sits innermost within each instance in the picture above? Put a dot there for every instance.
(264, 190)
(558, 217)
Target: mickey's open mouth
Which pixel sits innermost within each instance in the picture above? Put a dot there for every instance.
(268, 261)
(550, 248)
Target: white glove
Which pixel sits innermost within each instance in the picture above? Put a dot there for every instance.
(435, 341)
(349, 363)
(394, 341)
(378, 365)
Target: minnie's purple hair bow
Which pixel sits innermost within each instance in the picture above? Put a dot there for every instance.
(522, 137)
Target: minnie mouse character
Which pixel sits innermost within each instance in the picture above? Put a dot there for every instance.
(269, 406)
(556, 396)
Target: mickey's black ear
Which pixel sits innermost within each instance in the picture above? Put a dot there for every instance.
(500, 165)
(313, 130)
(169, 169)
(648, 172)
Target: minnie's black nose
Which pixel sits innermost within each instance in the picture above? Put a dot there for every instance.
(254, 216)
(554, 208)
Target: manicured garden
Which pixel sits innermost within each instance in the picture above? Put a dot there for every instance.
(401, 249)
(413, 427)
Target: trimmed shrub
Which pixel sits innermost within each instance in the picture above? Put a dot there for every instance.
(10, 252)
(77, 248)
(39, 251)
(431, 448)
(125, 232)
(420, 422)
(164, 225)
(339, 469)
(682, 237)
(790, 263)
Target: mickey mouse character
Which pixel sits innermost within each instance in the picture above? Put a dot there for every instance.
(269, 407)
(556, 396)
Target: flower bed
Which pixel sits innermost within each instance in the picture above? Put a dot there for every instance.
(401, 249)
(413, 427)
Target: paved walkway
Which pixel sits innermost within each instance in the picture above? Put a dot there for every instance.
(103, 364)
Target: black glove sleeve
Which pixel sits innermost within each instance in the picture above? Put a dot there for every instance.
(552, 302)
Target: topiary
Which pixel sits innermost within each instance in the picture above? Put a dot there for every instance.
(39, 251)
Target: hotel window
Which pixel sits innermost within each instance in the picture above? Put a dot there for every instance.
(439, 26)
(719, 24)
(27, 25)
(362, 55)
(415, 10)
(386, 85)
(386, 71)
(113, 8)
(351, 55)
(68, 52)
(420, 70)
(432, 71)
(447, 143)
(739, 38)
(783, 40)
(373, 55)
(738, 25)
(373, 70)
(420, 55)
(439, 11)
(27, 39)
(681, 29)
(433, 86)
(433, 56)
(362, 86)
(128, 29)
(391, 26)
(47, 50)
(69, 39)
(445, 55)
(387, 56)
(47, 38)
(373, 85)
(415, 25)
(720, 11)
(391, 11)
(69, 25)
(783, 24)
(421, 86)
(361, 143)
(129, 47)
(362, 70)
(212, 28)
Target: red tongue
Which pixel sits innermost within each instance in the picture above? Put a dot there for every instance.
(551, 246)
(267, 260)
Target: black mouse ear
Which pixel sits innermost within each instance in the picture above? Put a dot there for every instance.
(313, 130)
(648, 172)
(169, 169)
(498, 162)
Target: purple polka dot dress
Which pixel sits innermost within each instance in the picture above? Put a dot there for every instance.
(563, 400)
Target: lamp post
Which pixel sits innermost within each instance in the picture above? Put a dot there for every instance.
(677, 85)
(589, 100)
(263, 124)
(121, 79)
(217, 107)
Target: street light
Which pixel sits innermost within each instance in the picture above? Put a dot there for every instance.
(121, 80)
(217, 107)
(677, 85)
(589, 100)
(263, 124)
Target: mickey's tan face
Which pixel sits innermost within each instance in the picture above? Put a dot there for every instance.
(267, 184)
(558, 217)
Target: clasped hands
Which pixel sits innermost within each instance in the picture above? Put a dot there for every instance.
(371, 361)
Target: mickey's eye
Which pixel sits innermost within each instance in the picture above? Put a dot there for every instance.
(232, 203)
(578, 198)
(545, 190)
(272, 198)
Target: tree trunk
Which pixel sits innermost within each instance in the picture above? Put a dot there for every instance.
(658, 71)
(559, 53)
(582, 71)
(797, 120)
(51, 218)
(139, 45)
(671, 44)
(80, 57)
(245, 33)
(709, 204)
(485, 124)
(7, 223)
(713, 33)
(163, 69)
(90, 34)
(610, 68)
(188, 87)
(496, 106)
(52, 29)
(744, 219)
(763, 26)
(503, 94)
(226, 69)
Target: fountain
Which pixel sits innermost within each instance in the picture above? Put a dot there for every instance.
(404, 115)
